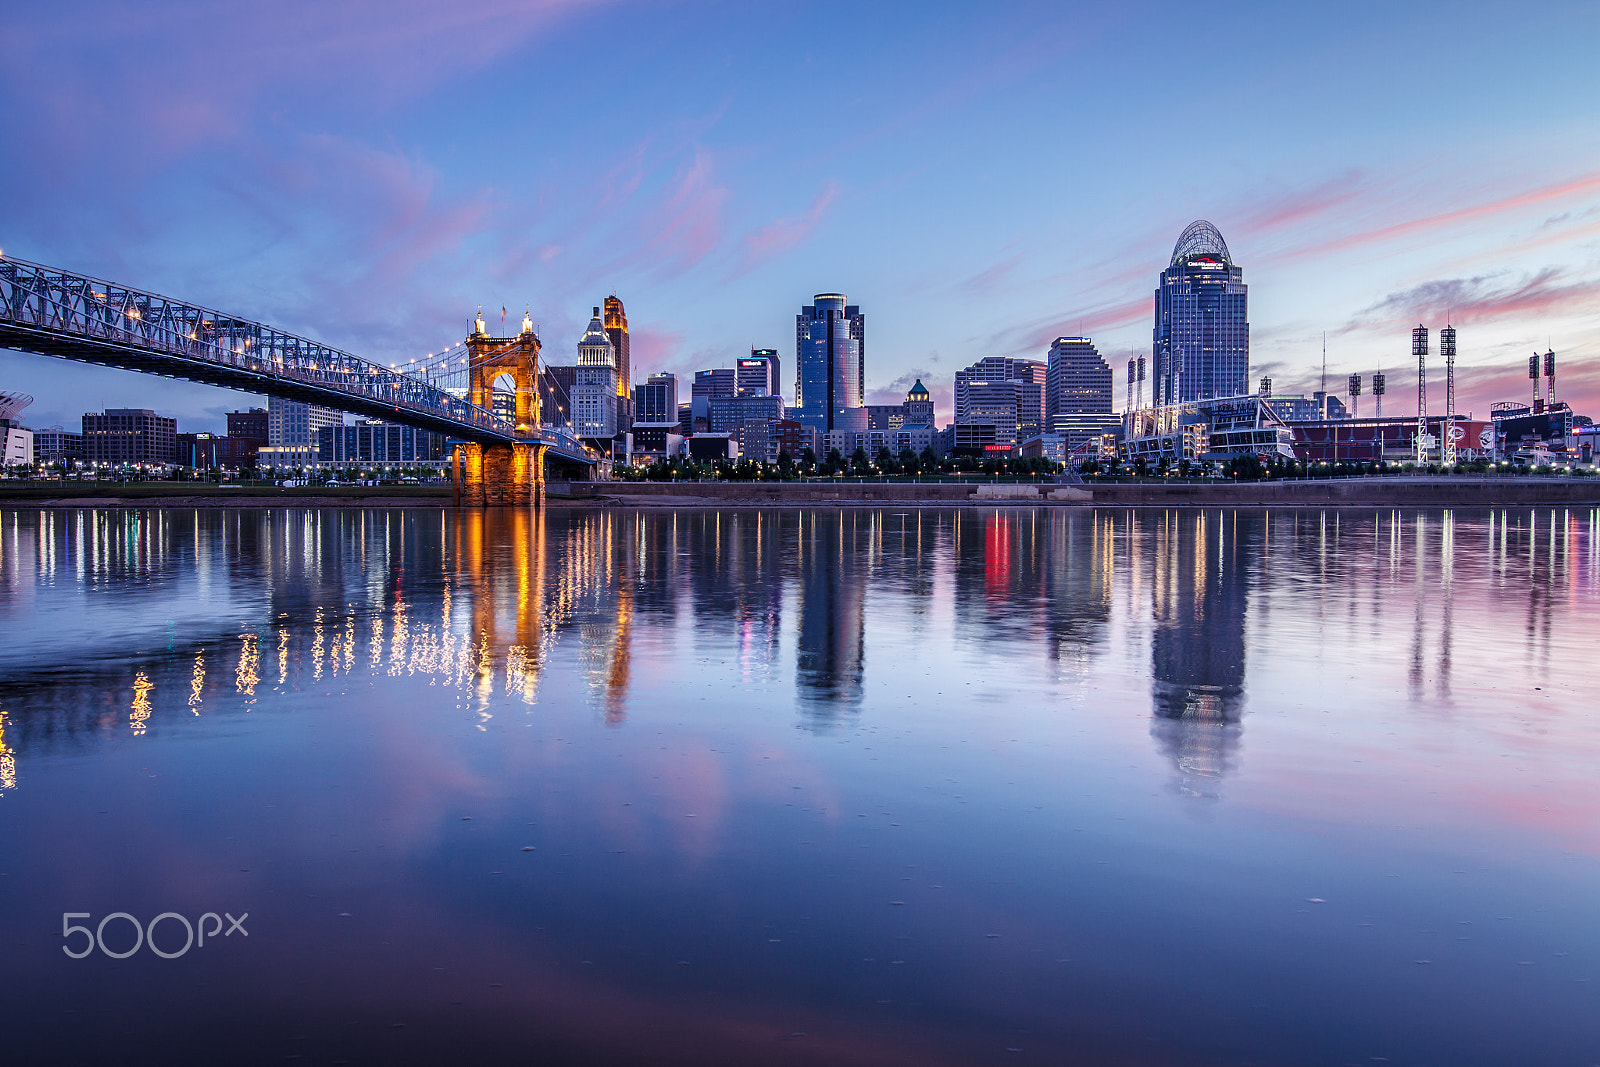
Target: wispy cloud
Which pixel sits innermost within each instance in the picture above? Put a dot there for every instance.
(1548, 293)
(1444, 223)
(784, 235)
(1295, 208)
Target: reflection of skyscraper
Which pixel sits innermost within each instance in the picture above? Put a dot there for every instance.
(831, 646)
(1199, 601)
(1021, 576)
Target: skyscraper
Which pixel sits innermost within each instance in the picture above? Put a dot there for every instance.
(656, 401)
(594, 385)
(1078, 392)
(1030, 378)
(1077, 378)
(830, 364)
(758, 373)
(617, 331)
(918, 406)
(1201, 341)
(292, 423)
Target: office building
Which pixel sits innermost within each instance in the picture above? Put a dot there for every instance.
(727, 413)
(376, 441)
(655, 403)
(918, 406)
(1007, 394)
(617, 334)
(885, 416)
(210, 451)
(757, 374)
(253, 425)
(57, 445)
(129, 435)
(1077, 397)
(555, 394)
(719, 381)
(1201, 341)
(708, 384)
(290, 422)
(830, 363)
(594, 386)
(1077, 378)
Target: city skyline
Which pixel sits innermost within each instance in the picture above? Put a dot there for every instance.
(374, 202)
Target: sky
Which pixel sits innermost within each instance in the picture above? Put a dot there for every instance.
(979, 178)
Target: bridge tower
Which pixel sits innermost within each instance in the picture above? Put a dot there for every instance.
(492, 475)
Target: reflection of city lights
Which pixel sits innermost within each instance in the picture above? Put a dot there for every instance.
(316, 647)
(8, 761)
(139, 711)
(244, 675)
(376, 656)
(197, 681)
(283, 656)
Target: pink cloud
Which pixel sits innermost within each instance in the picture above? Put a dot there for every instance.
(785, 234)
(1585, 185)
(1468, 300)
(1295, 208)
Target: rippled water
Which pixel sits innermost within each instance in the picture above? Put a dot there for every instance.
(861, 786)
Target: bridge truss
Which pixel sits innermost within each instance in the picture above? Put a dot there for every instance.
(58, 313)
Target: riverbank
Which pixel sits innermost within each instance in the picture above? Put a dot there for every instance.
(1396, 491)
(201, 495)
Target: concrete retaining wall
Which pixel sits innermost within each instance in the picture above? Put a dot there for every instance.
(1435, 491)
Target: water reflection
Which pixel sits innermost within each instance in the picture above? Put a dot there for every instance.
(834, 554)
(173, 609)
(1199, 594)
(916, 784)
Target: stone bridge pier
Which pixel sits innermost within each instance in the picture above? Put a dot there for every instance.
(492, 476)
(502, 475)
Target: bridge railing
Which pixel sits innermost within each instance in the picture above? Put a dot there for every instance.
(58, 302)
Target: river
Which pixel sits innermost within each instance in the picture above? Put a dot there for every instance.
(1010, 785)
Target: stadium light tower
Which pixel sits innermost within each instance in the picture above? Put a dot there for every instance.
(1419, 348)
(1447, 349)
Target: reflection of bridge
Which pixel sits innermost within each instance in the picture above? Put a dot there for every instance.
(56, 313)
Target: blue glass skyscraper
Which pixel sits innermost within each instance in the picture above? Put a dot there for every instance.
(1201, 343)
(830, 361)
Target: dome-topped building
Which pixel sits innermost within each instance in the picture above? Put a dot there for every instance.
(1200, 346)
(1200, 239)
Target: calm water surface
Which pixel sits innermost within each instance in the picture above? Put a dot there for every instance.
(899, 786)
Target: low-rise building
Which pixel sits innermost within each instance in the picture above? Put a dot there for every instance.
(375, 441)
(129, 436)
(57, 445)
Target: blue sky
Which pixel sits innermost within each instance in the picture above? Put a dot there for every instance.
(979, 177)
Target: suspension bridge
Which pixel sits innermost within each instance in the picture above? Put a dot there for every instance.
(72, 316)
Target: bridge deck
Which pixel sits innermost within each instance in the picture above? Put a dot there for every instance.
(72, 316)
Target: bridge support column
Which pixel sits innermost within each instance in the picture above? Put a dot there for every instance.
(499, 475)
(472, 488)
(519, 476)
(455, 477)
(498, 484)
